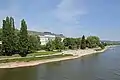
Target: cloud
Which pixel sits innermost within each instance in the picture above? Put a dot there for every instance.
(68, 13)
(68, 10)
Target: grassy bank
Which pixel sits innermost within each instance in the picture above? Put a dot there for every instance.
(47, 55)
(36, 60)
(27, 59)
(32, 54)
(42, 53)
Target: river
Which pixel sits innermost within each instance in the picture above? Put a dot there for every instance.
(102, 66)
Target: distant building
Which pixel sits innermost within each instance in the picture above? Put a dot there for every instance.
(45, 37)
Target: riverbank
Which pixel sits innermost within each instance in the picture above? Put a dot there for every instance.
(75, 53)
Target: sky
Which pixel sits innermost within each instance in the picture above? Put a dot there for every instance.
(73, 18)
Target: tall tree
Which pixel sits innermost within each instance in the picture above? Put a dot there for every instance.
(23, 39)
(0, 34)
(4, 36)
(83, 42)
(7, 36)
(14, 37)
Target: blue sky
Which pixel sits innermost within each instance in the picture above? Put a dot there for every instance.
(73, 18)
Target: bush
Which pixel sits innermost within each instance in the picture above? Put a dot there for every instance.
(23, 53)
(101, 46)
(42, 47)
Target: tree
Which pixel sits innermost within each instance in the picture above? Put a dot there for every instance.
(38, 43)
(4, 36)
(0, 34)
(101, 46)
(23, 39)
(83, 42)
(93, 41)
(66, 42)
(7, 36)
(104, 43)
(50, 46)
(78, 42)
(72, 43)
(14, 36)
(58, 44)
(33, 42)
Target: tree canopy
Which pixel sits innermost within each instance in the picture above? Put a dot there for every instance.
(8, 36)
(15, 41)
(72, 43)
(93, 41)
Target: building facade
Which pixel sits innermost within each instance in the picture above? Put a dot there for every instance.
(44, 39)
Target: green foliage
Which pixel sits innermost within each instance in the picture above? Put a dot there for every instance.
(101, 46)
(50, 46)
(15, 41)
(83, 42)
(27, 59)
(20, 42)
(14, 36)
(0, 34)
(58, 44)
(66, 42)
(78, 42)
(33, 42)
(42, 53)
(104, 43)
(8, 36)
(42, 47)
(72, 43)
(93, 41)
(23, 39)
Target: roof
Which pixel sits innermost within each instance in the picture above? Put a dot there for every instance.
(46, 33)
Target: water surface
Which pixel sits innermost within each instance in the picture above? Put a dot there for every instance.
(103, 66)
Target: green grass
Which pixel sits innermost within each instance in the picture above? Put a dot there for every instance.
(42, 53)
(32, 54)
(27, 59)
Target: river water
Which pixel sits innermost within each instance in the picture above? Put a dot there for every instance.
(102, 66)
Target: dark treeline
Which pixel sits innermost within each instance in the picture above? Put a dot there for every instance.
(20, 42)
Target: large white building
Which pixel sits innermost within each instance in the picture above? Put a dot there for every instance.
(46, 38)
